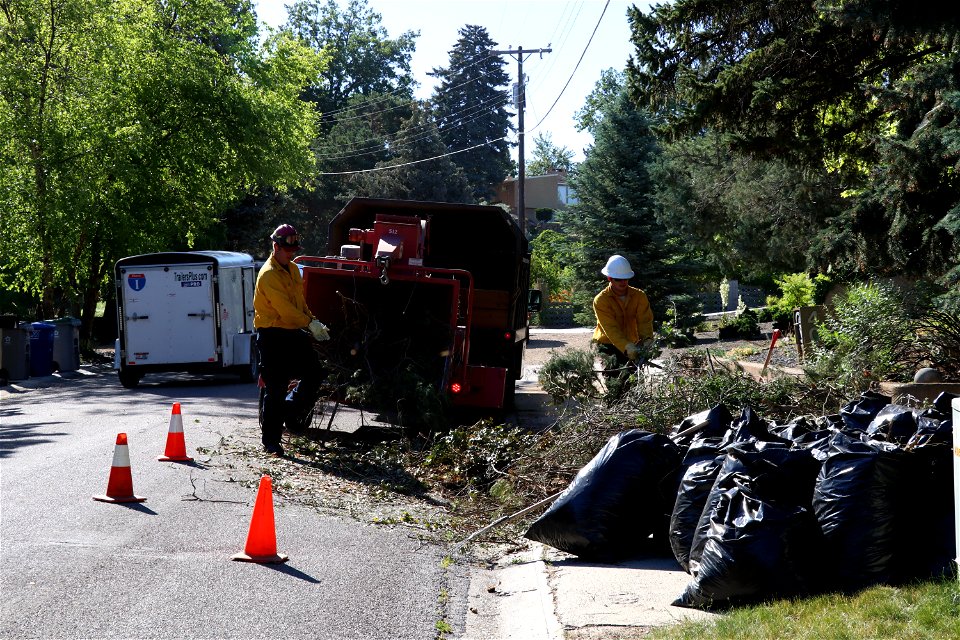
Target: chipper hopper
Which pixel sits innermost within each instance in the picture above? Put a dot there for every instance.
(437, 288)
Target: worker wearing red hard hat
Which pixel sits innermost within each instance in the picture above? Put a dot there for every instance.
(280, 317)
(624, 318)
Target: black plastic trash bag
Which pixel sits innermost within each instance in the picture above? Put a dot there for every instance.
(797, 429)
(700, 468)
(750, 426)
(755, 549)
(772, 471)
(710, 423)
(858, 497)
(928, 545)
(943, 403)
(893, 423)
(931, 430)
(621, 498)
(858, 413)
(804, 433)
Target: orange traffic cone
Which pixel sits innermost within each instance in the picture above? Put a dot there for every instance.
(120, 485)
(262, 539)
(176, 450)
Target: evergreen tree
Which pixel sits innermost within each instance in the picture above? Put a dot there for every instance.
(420, 171)
(616, 212)
(867, 90)
(750, 218)
(470, 108)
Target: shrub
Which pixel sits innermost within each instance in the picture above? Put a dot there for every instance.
(867, 336)
(796, 290)
(569, 374)
(938, 341)
(744, 325)
(683, 318)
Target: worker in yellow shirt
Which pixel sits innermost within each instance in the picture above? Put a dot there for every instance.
(624, 319)
(284, 326)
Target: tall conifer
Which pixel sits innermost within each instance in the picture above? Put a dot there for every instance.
(470, 105)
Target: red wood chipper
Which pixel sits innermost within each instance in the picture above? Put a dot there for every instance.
(437, 286)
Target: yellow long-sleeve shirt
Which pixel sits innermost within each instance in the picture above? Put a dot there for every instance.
(278, 297)
(620, 322)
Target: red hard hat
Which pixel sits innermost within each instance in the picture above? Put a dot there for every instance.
(286, 236)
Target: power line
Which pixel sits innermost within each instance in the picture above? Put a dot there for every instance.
(407, 164)
(477, 146)
(572, 73)
(467, 115)
(387, 96)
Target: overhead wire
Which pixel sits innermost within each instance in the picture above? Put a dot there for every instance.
(421, 133)
(375, 141)
(541, 77)
(572, 73)
(412, 162)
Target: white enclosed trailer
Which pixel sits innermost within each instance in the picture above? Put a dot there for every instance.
(185, 311)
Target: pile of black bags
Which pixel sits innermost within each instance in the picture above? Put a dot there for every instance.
(755, 510)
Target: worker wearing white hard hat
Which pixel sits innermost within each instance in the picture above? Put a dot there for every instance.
(624, 318)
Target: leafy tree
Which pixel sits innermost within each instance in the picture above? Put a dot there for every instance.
(616, 212)
(364, 94)
(355, 142)
(417, 168)
(105, 158)
(548, 157)
(549, 264)
(364, 59)
(470, 109)
(604, 93)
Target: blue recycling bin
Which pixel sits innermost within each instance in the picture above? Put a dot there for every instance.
(41, 349)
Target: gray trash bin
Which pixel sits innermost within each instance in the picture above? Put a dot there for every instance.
(66, 344)
(15, 352)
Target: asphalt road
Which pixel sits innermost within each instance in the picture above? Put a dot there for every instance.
(73, 567)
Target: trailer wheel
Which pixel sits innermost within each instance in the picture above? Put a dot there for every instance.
(251, 372)
(129, 379)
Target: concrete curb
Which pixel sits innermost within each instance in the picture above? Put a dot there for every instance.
(755, 369)
(545, 594)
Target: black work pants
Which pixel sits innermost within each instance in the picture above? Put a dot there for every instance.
(285, 355)
(619, 358)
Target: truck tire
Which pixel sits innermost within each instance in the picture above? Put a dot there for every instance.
(129, 379)
(509, 392)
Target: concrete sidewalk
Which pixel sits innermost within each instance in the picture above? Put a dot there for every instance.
(545, 594)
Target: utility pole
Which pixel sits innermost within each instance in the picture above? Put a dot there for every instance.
(520, 104)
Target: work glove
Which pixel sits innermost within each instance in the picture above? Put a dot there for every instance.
(632, 351)
(319, 331)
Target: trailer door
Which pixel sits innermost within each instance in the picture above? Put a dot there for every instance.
(169, 314)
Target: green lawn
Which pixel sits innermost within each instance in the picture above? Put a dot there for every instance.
(924, 611)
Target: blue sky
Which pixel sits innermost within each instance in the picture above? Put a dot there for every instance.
(565, 27)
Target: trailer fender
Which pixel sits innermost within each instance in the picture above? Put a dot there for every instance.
(245, 356)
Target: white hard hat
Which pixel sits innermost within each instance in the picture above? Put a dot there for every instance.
(617, 268)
